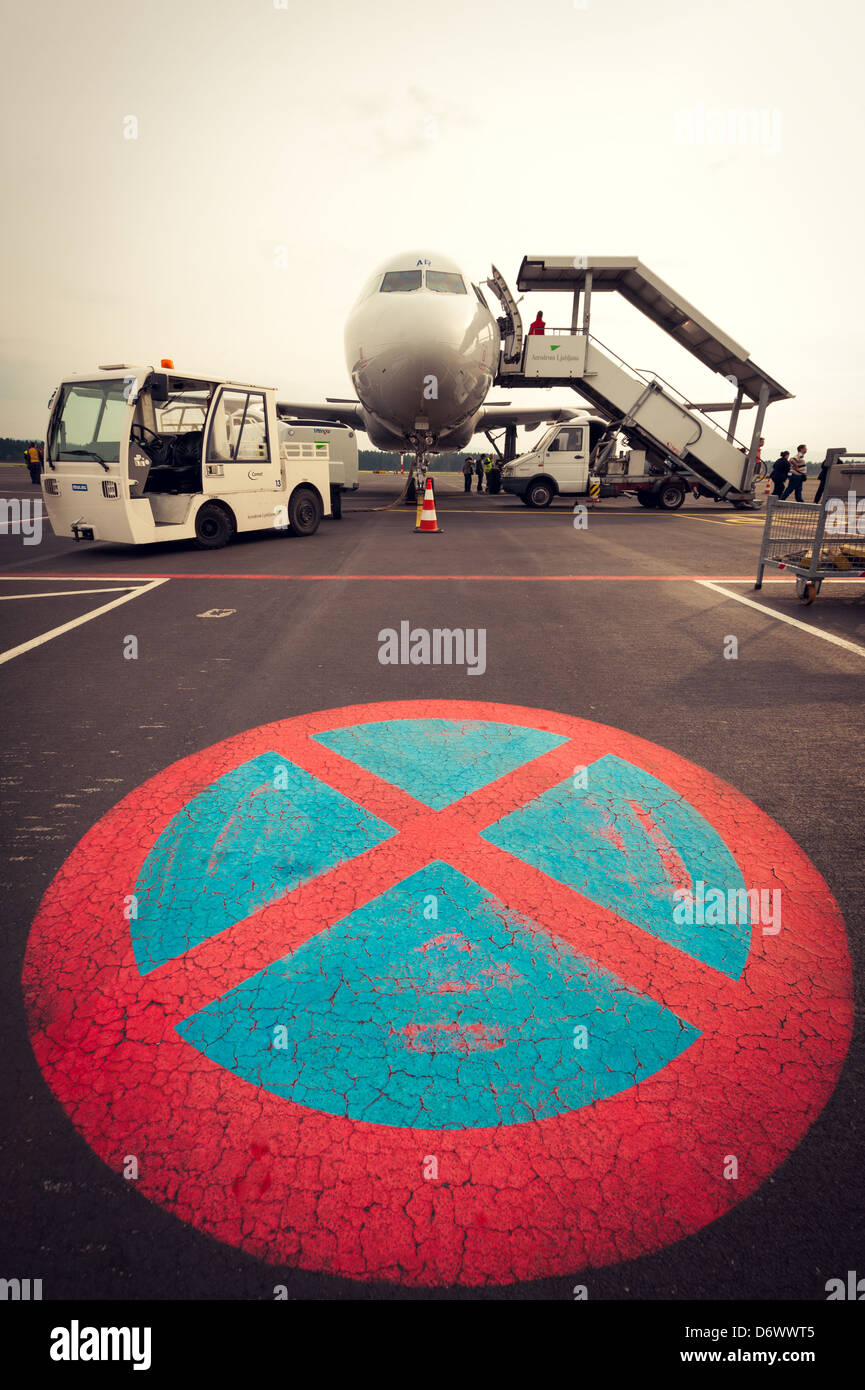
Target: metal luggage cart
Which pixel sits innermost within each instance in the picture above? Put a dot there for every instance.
(795, 538)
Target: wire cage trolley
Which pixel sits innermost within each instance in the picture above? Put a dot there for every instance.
(812, 543)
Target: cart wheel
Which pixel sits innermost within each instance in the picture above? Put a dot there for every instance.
(807, 590)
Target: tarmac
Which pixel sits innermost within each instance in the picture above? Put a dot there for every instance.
(626, 623)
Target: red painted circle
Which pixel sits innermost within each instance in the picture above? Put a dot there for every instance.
(623, 1176)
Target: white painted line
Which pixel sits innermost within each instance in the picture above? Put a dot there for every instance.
(67, 593)
(783, 618)
(76, 622)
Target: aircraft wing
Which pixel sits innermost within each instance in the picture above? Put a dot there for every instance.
(336, 412)
(496, 417)
(492, 417)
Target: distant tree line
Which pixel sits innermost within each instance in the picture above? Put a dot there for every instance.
(443, 463)
(12, 450)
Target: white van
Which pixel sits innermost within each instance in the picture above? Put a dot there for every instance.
(560, 463)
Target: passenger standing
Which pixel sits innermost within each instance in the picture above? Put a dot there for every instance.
(479, 469)
(538, 325)
(822, 475)
(798, 473)
(468, 470)
(780, 471)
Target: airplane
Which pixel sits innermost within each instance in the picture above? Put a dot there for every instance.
(422, 351)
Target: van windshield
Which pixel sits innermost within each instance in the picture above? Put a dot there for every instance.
(545, 440)
(90, 417)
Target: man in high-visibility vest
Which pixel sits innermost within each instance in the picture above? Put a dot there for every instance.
(34, 461)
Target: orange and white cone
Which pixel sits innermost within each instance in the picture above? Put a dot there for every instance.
(428, 520)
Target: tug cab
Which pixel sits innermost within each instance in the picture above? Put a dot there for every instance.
(137, 454)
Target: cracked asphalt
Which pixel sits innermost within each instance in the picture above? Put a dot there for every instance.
(607, 626)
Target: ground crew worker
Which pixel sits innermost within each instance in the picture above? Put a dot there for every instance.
(479, 469)
(488, 465)
(538, 325)
(32, 454)
(468, 470)
(494, 481)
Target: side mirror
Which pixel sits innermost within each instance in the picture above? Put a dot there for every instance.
(158, 387)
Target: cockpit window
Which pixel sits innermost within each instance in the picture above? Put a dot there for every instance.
(445, 282)
(400, 281)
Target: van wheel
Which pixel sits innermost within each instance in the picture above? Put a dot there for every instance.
(647, 499)
(670, 497)
(304, 512)
(336, 503)
(214, 527)
(540, 494)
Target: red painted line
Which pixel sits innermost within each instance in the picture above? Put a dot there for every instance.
(427, 578)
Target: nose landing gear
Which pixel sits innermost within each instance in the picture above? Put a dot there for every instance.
(416, 480)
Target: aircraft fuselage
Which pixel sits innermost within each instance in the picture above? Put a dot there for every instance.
(422, 350)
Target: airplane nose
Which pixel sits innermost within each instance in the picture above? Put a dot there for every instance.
(426, 356)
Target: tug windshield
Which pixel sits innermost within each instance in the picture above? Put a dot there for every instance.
(89, 416)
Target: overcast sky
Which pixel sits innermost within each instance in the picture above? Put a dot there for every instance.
(280, 153)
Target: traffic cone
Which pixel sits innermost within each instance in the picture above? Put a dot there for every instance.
(428, 522)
